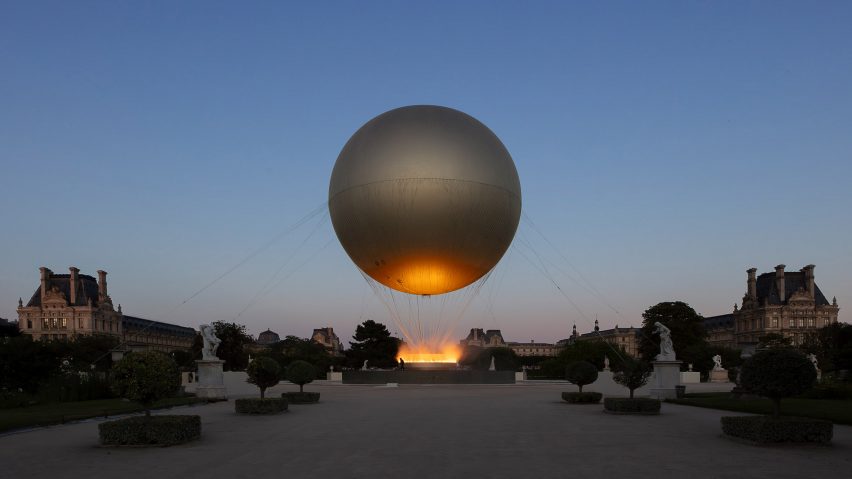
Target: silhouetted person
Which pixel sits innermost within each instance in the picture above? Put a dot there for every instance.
(401, 364)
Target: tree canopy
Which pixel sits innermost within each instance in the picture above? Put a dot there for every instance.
(832, 345)
(373, 343)
(581, 373)
(232, 349)
(145, 378)
(633, 374)
(686, 325)
(777, 373)
(301, 373)
(264, 373)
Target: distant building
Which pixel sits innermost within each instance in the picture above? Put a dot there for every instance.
(69, 305)
(484, 339)
(267, 338)
(329, 340)
(785, 303)
(533, 348)
(626, 339)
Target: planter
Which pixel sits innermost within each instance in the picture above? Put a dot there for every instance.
(301, 398)
(582, 398)
(638, 406)
(150, 431)
(260, 406)
(764, 430)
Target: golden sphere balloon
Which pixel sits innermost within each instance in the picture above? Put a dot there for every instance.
(425, 199)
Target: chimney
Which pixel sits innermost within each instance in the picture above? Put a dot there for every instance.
(752, 283)
(102, 284)
(780, 283)
(45, 277)
(73, 283)
(809, 279)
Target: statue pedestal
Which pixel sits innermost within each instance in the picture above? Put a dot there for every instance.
(719, 376)
(211, 380)
(666, 377)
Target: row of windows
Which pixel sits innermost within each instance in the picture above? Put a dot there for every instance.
(755, 324)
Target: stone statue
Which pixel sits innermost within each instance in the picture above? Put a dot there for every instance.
(667, 352)
(211, 343)
(364, 366)
(813, 360)
(717, 363)
(606, 362)
(492, 368)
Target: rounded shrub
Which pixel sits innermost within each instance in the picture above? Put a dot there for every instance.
(145, 378)
(301, 373)
(777, 373)
(582, 398)
(581, 373)
(260, 406)
(264, 373)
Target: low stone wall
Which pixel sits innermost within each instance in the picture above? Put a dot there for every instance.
(429, 377)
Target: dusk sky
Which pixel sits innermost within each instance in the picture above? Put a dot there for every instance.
(663, 148)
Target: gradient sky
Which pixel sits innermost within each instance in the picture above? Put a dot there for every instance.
(663, 149)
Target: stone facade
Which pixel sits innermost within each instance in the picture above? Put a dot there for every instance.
(68, 305)
(533, 348)
(626, 339)
(785, 303)
(329, 340)
(492, 338)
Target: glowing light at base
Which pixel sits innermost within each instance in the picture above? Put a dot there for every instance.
(422, 353)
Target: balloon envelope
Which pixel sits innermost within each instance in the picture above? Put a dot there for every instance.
(425, 199)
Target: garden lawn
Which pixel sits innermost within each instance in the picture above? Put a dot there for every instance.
(836, 411)
(58, 413)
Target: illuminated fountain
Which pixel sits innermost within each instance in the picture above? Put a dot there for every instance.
(424, 357)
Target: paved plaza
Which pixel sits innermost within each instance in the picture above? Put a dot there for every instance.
(471, 431)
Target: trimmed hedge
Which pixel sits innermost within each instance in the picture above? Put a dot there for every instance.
(632, 406)
(150, 431)
(260, 406)
(774, 430)
(301, 397)
(582, 398)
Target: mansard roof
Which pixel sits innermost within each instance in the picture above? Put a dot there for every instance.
(87, 288)
(793, 281)
(484, 335)
(723, 321)
(132, 323)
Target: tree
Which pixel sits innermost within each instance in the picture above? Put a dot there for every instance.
(232, 349)
(145, 378)
(633, 374)
(26, 364)
(777, 373)
(686, 325)
(832, 345)
(293, 348)
(264, 373)
(8, 329)
(373, 343)
(581, 373)
(301, 373)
